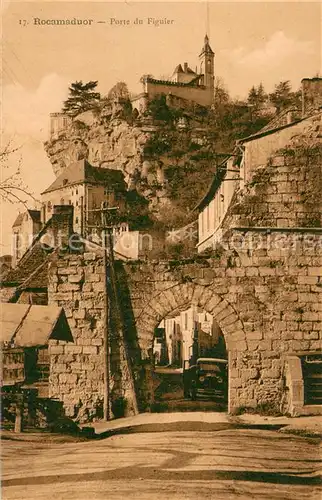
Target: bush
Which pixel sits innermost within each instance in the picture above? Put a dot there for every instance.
(267, 409)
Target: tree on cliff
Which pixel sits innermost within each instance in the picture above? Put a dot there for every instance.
(12, 188)
(283, 97)
(257, 96)
(82, 96)
(120, 90)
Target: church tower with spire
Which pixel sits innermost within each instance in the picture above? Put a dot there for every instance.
(184, 83)
(207, 68)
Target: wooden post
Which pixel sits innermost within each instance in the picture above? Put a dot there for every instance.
(19, 413)
(106, 339)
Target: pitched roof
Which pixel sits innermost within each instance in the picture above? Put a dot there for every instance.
(178, 69)
(31, 325)
(34, 214)
(19, 220)
(81, 172)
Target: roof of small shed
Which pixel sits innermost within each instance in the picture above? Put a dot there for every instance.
(31, 325)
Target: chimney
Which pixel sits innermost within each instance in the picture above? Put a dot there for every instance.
(311, 95)
(185, 67)
(62, 224)
(289, 117)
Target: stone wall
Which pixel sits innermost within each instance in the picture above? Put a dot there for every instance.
(284, 193)
(202, 96)
(262, 284)
(311, 94)
(259, 148)
(263, 290)
(77, 282)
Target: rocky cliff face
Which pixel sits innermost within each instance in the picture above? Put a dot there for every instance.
(144, 149)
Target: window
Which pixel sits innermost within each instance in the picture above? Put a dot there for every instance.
(76, 220)
(49, 206)
(62, 201)
(76, 191)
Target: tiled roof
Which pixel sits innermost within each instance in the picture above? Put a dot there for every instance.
(32, 259)
(82, 172)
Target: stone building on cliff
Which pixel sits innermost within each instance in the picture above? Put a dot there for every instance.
(85, 188)
(196, 86)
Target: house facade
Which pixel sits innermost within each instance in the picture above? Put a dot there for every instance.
(251, 153)
(26, 226)
(85, 188)
(191, 332)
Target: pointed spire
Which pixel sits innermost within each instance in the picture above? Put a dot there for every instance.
(206, 47)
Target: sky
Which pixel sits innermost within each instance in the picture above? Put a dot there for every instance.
(253, 42)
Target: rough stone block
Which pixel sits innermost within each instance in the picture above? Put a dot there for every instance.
(249, 373)
(235, 382)
(311, 335)
(99, 286)
(75, 278)
(66, 270)
(79, 314)
(315, 271)
(90, 349)
(68, 287)
(97, 342)
(59, 367)
(255, 335)
(57, 349)
(61, 296)
(88, 256)
(93, 278)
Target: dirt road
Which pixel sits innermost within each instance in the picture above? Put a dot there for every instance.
(185, 462)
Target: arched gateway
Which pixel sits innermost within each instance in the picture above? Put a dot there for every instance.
(179, 297)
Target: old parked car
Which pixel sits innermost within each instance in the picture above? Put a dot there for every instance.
(206, 379)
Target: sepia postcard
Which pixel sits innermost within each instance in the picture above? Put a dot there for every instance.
(161, 250)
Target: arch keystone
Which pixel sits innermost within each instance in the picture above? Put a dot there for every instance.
(219, 307)
(197, 293)
(224, 313)
(205, 297)
(215, 299)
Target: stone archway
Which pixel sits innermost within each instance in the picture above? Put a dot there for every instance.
(183, 295)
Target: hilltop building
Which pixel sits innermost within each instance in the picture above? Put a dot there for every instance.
(196, 86)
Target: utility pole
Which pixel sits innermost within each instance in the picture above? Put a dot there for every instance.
(109, 219)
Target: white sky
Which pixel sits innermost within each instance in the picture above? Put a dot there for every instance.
(252, 41)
